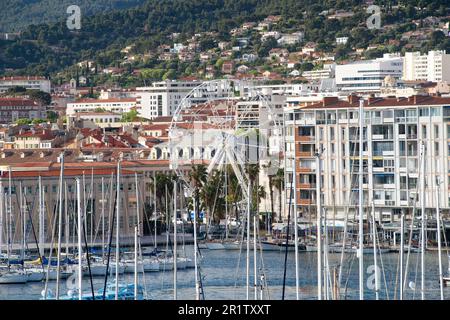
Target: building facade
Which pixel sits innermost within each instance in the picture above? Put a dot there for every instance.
(109, 105)
(433, 67)
(13, 109)
(30, 83)
(394, 131)
(368, 76)
(163, 98)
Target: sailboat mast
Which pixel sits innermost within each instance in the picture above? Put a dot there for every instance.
(80, 249)
(2, 198)
(154, 206)
(422, 229)
(402, 249)
(60, 213)
(41, 218)
(197, 288)
(248, 241)
(294, 181)
(226, 200)
(135, 262)
(255, 270)
(375, 262)
(67, 221)
(92, 206)
(361, 199)
(136, 238)
(103, 217)
(319, 225)
(22, 216)
(117, 231)
(175, 240)
(10, 214)
(438, 227)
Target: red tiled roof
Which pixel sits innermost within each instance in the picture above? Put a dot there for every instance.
(105, 100)
(22, 78)
(17, 102)
(382, 102)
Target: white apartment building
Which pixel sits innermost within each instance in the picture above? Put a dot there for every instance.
(341, 40)
(367, 76)
(394, 131)
(163, 98)
(433, 67)
(99, 119)
(109, 105)
(327, 72)
(291, 39)
(30, 83)
(247, 87)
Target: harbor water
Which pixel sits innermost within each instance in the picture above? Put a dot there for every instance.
(224, 277)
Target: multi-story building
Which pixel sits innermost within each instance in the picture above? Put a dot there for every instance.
(13, 109)
(110, 105)
(327, 72)
(163, 98)
(434, 66)
(99, 119)
(394, 131)
(367, 76)
(30, 83)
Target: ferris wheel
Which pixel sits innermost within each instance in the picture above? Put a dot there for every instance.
(213, 127)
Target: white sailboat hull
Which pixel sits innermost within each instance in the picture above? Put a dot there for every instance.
(13, 278)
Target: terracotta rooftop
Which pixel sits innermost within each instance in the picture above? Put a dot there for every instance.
(353, 102)
(17, 102)
(105, 100)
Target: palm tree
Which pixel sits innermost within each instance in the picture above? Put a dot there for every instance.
(271, 177)
(198, 177)
(210, 196)
(278, 182)
(163, 182)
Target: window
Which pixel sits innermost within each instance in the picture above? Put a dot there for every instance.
(424, 132)
(436, 131)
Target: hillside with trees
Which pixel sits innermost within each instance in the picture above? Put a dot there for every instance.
(16, 15)
(53, 50)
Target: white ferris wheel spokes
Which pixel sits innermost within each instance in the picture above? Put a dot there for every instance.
(214, 128)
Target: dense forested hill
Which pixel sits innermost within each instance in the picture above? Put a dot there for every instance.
(48, 48)
(16, 15)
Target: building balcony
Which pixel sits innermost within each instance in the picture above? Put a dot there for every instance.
(307, 186)
(305, 170)
(306, 202)
(305, 138)
(305, 154)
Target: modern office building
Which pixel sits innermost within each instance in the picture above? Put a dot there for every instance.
(368, 76)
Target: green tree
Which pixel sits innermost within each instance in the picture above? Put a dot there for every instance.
(129, 116)
(23, 121)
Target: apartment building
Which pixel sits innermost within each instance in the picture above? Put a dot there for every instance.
(367, 76)
(13, 109)
(29, 82)
(328, 71)
(394, 131)
(433, 67)
(163, 98)
(109, 105)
